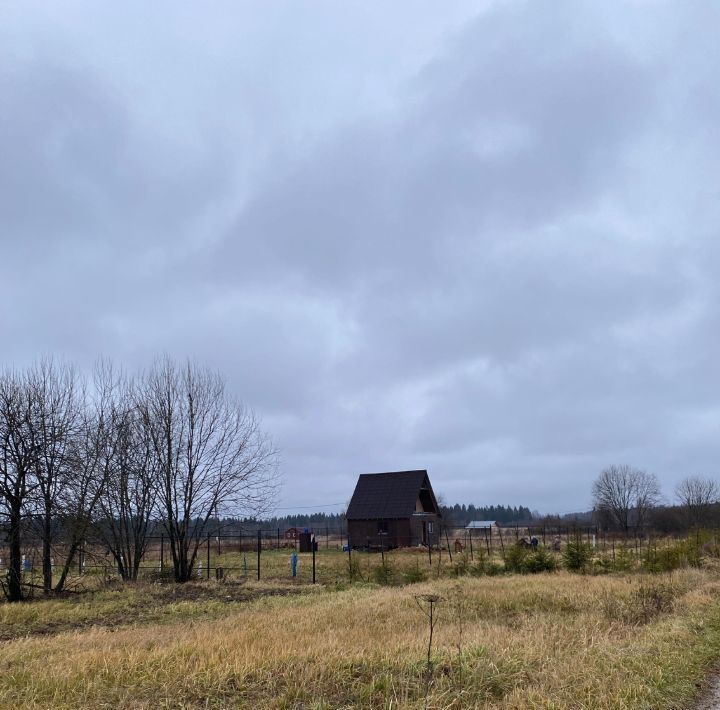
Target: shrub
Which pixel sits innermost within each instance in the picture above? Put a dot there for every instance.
(644, 603)
(353, 566)
(414, 574)
(685, 553)
(665, 559)
(481, 567)
(514, 558)
(708, 546)
(526, 561)
(539, 560)
(492, 569)
(695, 547)
(384, 573)
(576, 556)
(623, 560)
(602, 565)
(461, 565)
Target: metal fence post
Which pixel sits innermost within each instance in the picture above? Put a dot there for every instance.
(162, 552)
(259, 546)
(447, 540)
(314, 544)
(208, 555)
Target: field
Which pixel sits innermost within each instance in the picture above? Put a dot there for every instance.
(556, 640)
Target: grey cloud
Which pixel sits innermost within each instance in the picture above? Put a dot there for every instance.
(77, 168)
(421, 191)
(484, 243)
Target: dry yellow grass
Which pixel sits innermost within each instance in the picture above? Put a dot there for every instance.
(547, 641)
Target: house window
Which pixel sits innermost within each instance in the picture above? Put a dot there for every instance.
(430, 528)
(382, 527)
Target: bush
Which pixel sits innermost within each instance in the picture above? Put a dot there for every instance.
(623, 560)
(644, 603)
(665, 559)
(514, 558)
(539, 561)
(695, 547)
(576, 556)
(492, 569)
(353, 566)
(384, 574)
(602, 565)
(708, 546)
(526, 561)
(685, 553)
(486, 566)
(461, 565)
(414, 574)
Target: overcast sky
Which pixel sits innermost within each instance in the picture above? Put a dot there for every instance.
(480, 238)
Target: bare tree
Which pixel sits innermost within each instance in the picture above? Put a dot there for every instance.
(56, 416)
(696, 495)
(79, 496)
(18, 456)
(613, 494)
(620, 491)
(126, 457)
(209, 452)
(647, 495)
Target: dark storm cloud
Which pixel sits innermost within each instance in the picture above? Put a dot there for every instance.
(483, 243)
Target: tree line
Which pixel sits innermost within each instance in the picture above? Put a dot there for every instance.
(457, 515)
(453, 515)
(460, 515)
(333, 521)
(625, 497)
(108, 457)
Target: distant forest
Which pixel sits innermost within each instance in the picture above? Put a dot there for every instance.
(455, 515)
(460, 515)
(318, 521)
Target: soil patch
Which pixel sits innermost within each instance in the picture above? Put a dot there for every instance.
(710, 697)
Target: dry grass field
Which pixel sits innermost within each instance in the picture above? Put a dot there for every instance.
(542, 641)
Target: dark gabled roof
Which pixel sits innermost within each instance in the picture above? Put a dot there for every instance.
(381, 496)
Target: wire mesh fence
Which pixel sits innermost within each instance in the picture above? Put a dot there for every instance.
(322, 554)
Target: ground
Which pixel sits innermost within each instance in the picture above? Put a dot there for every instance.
(710, 698)
(555, 640)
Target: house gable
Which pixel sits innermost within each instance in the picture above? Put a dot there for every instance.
(392, 495)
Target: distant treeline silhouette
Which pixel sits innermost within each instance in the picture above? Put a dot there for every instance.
(460, 515)
(319, 521)
(457, 515)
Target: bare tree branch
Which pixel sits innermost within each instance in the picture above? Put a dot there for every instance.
(209, 452)
(623, 493)
(696, 495)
